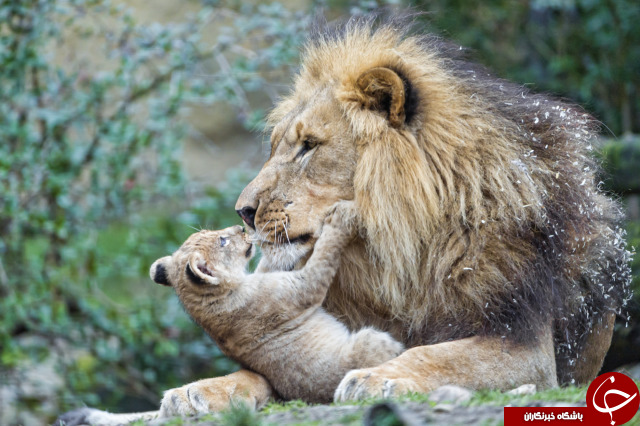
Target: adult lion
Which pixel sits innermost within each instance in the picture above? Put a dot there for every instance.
(486, 245)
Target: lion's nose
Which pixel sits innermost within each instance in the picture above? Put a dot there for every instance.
(248, 214)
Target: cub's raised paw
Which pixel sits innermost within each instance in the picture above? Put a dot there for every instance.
(343, 215)
(367, 383)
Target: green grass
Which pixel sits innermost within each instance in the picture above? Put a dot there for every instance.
(278, 407)
(571, 394)
(239, 415)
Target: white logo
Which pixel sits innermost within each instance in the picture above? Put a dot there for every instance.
(608, 409)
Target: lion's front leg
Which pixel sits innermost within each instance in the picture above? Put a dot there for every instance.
(210, 395)
(475, 363)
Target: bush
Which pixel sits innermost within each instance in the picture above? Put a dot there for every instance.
(86, 157)
(586, 50)
(79, 150)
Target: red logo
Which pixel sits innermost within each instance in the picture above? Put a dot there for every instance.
(613, 399)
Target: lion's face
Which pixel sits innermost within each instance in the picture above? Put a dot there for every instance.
(311, 166)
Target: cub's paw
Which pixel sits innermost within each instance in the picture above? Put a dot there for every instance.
(368, 383)
(372, 347)
(343, 216)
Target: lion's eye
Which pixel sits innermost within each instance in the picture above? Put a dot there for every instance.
(307, 145)
(224, 241)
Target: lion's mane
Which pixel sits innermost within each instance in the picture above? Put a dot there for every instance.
(482, 214)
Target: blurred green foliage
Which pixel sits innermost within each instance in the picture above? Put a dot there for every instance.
(621, 175)
(85, 157)
(586, 50)
(621, 161)
(91, 189)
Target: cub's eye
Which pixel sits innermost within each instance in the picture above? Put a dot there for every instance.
(307, 145)
(224, 241)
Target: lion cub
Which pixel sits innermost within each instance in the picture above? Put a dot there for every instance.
(273, 323)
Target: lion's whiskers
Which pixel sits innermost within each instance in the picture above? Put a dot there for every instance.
(286, 232)
(260, 234)
(279, 236)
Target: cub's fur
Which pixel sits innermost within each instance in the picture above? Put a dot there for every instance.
(273, 323)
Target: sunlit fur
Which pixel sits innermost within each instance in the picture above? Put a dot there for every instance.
(482, 214)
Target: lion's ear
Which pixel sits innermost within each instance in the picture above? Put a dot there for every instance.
(159, 271)
(384, 91)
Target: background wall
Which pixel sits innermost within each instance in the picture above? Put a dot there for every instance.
(127, 124)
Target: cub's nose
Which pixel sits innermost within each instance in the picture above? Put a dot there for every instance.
(248, 214)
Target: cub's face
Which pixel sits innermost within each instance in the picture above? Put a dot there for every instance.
(204, 261)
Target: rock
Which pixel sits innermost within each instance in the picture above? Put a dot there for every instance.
(528, 389)
(41, 381)
(451, 394)
(8, 411)
(443, 408)
(30, 391)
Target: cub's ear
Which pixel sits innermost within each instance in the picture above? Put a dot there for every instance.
(200, 273)
(384, 91)
(159, 271)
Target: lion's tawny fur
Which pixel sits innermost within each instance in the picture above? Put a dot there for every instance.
(482, 213)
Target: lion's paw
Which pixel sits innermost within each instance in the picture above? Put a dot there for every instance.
(175, 402)
(216, 394)
(367, 383)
